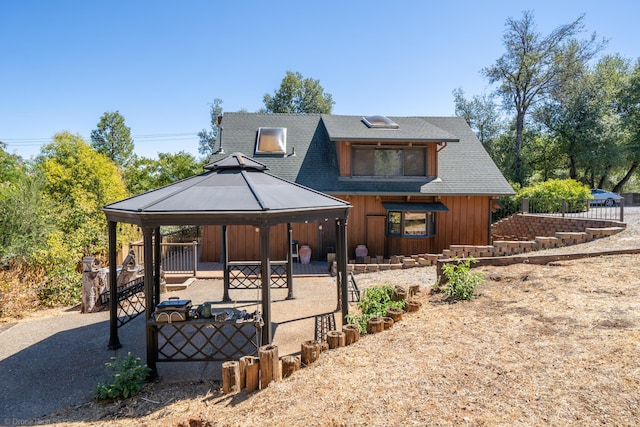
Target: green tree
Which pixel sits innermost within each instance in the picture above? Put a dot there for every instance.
(11, 166)
(630, 111)
(79, 182)
(206, 145)
(534, 65)
(481, 114)
(298, 95)
(113, 138)
(585, 117)
(147, 174)
(24, 220)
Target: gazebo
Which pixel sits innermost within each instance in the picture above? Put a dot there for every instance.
(236, 190)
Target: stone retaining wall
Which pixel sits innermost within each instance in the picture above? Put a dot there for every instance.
(547, 232)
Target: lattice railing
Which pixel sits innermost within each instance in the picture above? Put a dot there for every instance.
(130, 298)
(203, 340)
(247, 275)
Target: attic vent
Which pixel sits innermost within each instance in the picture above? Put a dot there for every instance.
(380, 122)
(271, 141)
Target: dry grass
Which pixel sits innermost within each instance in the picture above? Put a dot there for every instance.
(555, 345)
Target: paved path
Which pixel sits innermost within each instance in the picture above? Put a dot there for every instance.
(50, 363)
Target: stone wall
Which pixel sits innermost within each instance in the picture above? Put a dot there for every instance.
(528, 227)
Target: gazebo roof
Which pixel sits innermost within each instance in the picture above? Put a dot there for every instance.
(234, 190)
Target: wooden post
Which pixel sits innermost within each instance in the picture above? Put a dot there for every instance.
(269, 364)
(351, 334)
(244, 361)
(290, 364)
(310, 351)
(336, 339)
(375, 325)
(252, 373)
(231, 377)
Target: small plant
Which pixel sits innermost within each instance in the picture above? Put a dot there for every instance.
(128, 378)
(461, 282)
(374, 303)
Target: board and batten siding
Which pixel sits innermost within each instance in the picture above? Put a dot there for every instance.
(465, 223)
(244, 241)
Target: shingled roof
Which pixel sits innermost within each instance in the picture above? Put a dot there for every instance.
(464, 166)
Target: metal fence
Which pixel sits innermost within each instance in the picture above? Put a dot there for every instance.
(178, 251)
(573, 208)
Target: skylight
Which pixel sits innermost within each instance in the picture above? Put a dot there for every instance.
(271, 141)
(380, 122)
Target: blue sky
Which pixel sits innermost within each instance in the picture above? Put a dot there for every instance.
(160, 63)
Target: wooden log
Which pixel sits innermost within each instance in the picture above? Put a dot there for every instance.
(231, 377)
(375, 325)
(412, 305)
(395, 314)
(269, 365)
(399, 294)
(336, 339)
(387, 322)
(252, 373)
(244, 361)
(310, 351)
(290, 364)
(351, 334)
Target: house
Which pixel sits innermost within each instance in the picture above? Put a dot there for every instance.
(417, 184)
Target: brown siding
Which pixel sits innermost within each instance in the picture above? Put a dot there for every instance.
(244, 242)
(432, 160)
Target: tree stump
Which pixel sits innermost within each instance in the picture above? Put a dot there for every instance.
(290, 364)
(252, 372)
(395, 314)
(412, 305)
(399, 294)
(269, 364)
(336, 339)
(351, 334)
(375, 325)
(310, 351)
(387, 322)
(231, 377)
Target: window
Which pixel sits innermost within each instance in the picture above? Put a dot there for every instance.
(411, 224)
(271, 141)
(388, 161)
(380, 122)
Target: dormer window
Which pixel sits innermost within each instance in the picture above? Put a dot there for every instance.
(380, 122)
(271, 141)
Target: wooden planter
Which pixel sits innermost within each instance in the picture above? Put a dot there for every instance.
(375, 325)
(387, 322)
(395, 314)
(412, 306)
(310, 351)
(351, 334)
(399, 294)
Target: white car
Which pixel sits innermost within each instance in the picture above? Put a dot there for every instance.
(604, 198)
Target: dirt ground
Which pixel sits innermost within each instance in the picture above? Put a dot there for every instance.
(557, 344)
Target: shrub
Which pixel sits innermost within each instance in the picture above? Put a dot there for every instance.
(128, 378)
(374, 303)
(461, 282)
(549, 195)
